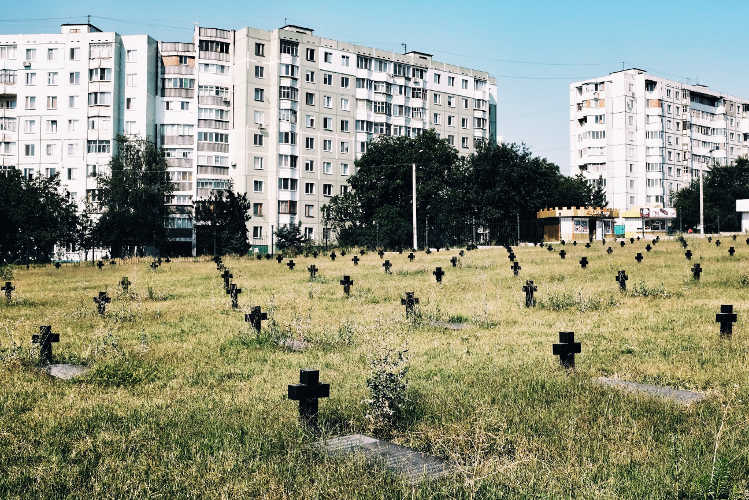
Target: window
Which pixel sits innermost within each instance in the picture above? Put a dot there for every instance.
(450, 121)
(30, 54)
(344, 189)
(49, 150)
(51, 126)
(451, 140)
(290, 48)
(327, 101)
(437, 78)
(464, 123)
(257, 186)
(465, 103)
(72, 125)
(327, 189)
(451, 101)
(30, 102)
(287, 138)
(287, 207)
(51, 102)
(344, 104)
(327, 167)
(257, 232)
(310, 54)
(327, 79)
(344, 126)
(344, 147)
(257, 139)
(257, 162)
(309, 143)
(29, 126)
(259, 117)
(259, 49)
(328, 57)
(327, 145)
(345, 60)
(8, 51)
(52, 78)
(100, 74)
(28, 150)
(290, 93)
(309, 188)
(75, 78)
(130, 128)
(345, 82)
(30, 78)
(259, 71)
(290, 70)
(464, 142)
(463, 83)
(130, 80)
(436, 119)
(132, 55)
(259, 95)
(450, 81)
(286, 184)
(309, 211)
(309, 76)
(309, 166)
(309, 121)
(327, 123)
(73, 102)
(287, 161)
(98, 146)
(75, 53)
(309, 99)
(344, 169)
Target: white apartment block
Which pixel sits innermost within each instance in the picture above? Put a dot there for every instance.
(281, 114)
(647, 137)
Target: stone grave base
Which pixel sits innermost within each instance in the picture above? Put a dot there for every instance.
(295, 345)
(414, 466)
(64, 371)
(676, 395)
(449, 326)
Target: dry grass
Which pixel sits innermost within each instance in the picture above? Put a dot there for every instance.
(184, 400)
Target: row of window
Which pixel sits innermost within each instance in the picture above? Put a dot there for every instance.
(98, 50)
(258, 186)
(92, 146)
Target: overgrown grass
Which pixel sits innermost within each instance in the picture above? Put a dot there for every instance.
(183, 399)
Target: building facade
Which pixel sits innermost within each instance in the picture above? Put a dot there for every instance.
(281, 114)
(645, 137)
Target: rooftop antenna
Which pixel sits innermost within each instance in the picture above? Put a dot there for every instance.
(285, 21)
(404, 47)
(88, 19)
(622, 65)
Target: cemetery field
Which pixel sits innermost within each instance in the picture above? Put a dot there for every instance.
(183, 399)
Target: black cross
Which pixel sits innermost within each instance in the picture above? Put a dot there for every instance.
(346, 283)
(609, 250)
(99, 264)
(159, 260)
(638, 257)
(114, 262)
(268, 256)
(515, 268)
(648, 247)
(234, 292)
(632, 240)
(584, 262)
(683, 241)
(511, 256)
(541, 244)
(622, 278)
(410, 301)
(155, 265)
(688, 254)
(8, 289)
(461, 253)
(563, 242)
(167, 260)
(381, 253)
(529, 288)
(411, 256)
(259, 256)
(747, 241)
(125, 283)
(428, 251)
(216, 259)
(290, 264)
(696, 271)
(550, 248)
(343, 253)
(57, 265)
(733, 237)
(726, 318)
(710, 239)
(312, 271)
(731, 251)
(101, 302)
(255, 318)
(315, 254)
(279, 258)
(622, 243)
(717, 243)
(45, 339)
(587, 245)
(355, 260)
(562, 253)
(638, 238)
(332, 255)
(308, 391)
(454, 261)
(438, 273)
(387, 265)
(362, 252)
(227, 276)
(574, 243)
(566, 349)
(603, 241)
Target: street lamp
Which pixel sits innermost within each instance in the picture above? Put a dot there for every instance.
(702, 197)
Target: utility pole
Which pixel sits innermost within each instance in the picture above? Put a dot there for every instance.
(413, 203)
(702, 207)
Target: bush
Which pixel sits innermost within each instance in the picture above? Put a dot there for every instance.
(641, 289)
(388, 387)
(560, 301)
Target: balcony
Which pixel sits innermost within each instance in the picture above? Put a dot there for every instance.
(214, 56)
(188, 93)
(218, 147)
(177, 140)
(181, 69)
(176, 48)
(215, 124)
(214, 100)
(179, 162)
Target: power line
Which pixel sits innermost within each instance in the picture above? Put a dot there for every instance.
(40, 19)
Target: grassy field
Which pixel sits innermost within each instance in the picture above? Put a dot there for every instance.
(182, 399)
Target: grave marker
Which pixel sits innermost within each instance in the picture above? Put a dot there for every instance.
(529, 288)
(255, 318)
(726, 318)
(312, 271)
(563, 242)
(381, 253)
(562, 254)
(566, 349)
(710, 239)
(279, 258)
(638, 257)
(717, 243)
(696, 271)
(648, 247)
(101, 302)
(584, 262)
(411, 256)
(332, 255)
(308, 391)
(688, 254)
(387, 265)
(587, 244)
(574, 243)
(609, 250)
(550, 248)
(227, 276)
(8, 289)
(315, 254)
(631, 241)
(454, 261)
(410, 301)
(234, 292)
(355, 260)
(515, 268)
(343, 253)
(57, 265)
(731, 251)
(346, 283)
(290, 264)
(622, 278)
(125, 284)
(45, 339)
(155, 265)
(362, 252)
(461, 253)
(511, 256)
(438, 273)
(622, 243)
(100, 265)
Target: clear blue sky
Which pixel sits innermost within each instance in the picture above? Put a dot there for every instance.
(533, 48)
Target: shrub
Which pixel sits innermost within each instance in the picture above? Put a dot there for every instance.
(388, 388)
(642, 289)
(560, 301)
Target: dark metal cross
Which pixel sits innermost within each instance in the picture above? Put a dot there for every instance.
(550, 248)
(574, 243)
(279, 258)
(312, 271)
(411, 256)
(362, 252)
(710, 239)
(638, 257)
(717, 243)
(315, 254)
(290, 264)
(355, 260)
(461, 253)
(101, 302)
(563, 242)
(726, 318)
(125, 283)
(566, 349)
(410, 301)
(529, 288)
(609, 250)
(584, 262)
(332, 255)
(167, 260)
(346, 283)
(8, 289)
(648, 247)
(57, 265)
(234, 292)
(731, 251)
(227, 276)
(454, 261)
(631, 241)
(255, 318)
(515, 268)
(511, 256)
(562, 253)
(587, 244)
(622, 278)
(343, 253)
(155, 265)
(387, 265)
(45, 339)
(438, 274)
(99, 264)
(308, 391)
(688, 254)
(622, 243)
(381, 253)
(696, 271)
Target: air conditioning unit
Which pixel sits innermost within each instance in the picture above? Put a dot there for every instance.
(27, 64)
(261, 126)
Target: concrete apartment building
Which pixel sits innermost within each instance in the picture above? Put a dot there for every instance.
(281, 114)
(646, 137)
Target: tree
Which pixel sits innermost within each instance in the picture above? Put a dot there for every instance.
(289, 238)
(223, 218)
(35, 215)
(86, 236)
(132, 198)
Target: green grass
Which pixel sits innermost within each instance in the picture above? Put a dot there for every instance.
(184, 400)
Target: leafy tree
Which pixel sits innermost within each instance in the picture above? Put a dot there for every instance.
(35, 215)
(132, 198)
(289, 238)
(223, 218)
(86, 236)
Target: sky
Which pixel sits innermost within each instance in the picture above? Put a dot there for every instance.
(534, 49)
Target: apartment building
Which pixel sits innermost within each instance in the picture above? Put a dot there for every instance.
(645, 137)
(281, 114)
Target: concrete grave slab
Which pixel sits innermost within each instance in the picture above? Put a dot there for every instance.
(669, 393)
(65, 371)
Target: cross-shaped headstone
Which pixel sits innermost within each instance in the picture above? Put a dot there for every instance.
(747, 241)
(343, 253)
(381, 253)
(101, 302)
(550, 248)
(255, 318)
(710, 239)
(279, 258)
(511, 256)
(529, 288)
(167, 260)
(584, 262)
(731, 251)
(332, 255)
(733, 237)
(638, 238)
(258, 256)
(541, 244)
(461, 253)
(566, 349)
(155, 265)
(717, 243)
(410, 301)
(315, 254)
(99, 264)
(726, 318)
(355, 260)
(454, 261)
(57, 265)
(227, 276)
(632, 240)
(622, 278)
(312, 271)
(125, 283)
(587, 244)
(45, 339)
(639, 257)
(609, 250)
(622, 243)
(362, 252)
(683, 242)
(515, 268)
(696, 271)
(688, 254)
(308, 391)
(346, 283)
(234, 292)
(387, 265)
(411, 256)
(268, 256)
(574, 243)
(563, 242)
(562, 253)
(8, 289)
(648, 247)
(290, 264)
(114, 262)
(439, 273)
